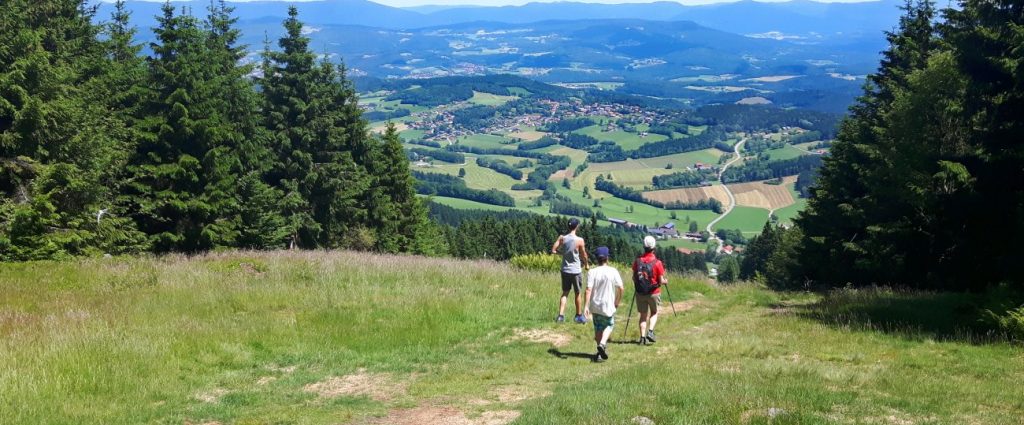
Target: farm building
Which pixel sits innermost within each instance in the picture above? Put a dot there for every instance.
(621, 223)
(667, 230)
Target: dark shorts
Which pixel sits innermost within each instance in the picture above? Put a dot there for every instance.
(572, 282)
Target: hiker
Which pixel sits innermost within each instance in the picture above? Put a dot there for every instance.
(604, 293)
(573, 250)
(648, 276)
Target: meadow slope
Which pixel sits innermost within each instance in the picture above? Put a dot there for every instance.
(352, 338)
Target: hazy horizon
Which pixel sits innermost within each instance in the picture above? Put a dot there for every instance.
(493, 3)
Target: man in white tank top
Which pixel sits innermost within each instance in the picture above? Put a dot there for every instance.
(574, 261)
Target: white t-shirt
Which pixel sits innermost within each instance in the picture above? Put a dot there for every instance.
(602, 281)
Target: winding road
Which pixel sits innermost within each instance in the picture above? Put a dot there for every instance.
(732, 198)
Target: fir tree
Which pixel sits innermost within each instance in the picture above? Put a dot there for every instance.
(185, 170)
(319, 141)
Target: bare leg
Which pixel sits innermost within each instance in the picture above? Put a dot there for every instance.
(643, 323)
(607, 333)
(561, 303)
(654, 319)
(579, 303)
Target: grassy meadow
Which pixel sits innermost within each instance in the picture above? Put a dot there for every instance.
(353, 338)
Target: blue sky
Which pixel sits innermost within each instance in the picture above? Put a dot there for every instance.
(406, 3)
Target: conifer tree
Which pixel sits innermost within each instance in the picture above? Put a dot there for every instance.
(394, 210)
(320, 144)
(852, 196)
(185, 169)
(56, 146)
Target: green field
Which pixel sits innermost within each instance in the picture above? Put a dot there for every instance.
(355, 338)
(748, 219)
(628, 141)
(412, 134)
(683, 243)
(785, 152)
(487, 141)
(787, 214)
(488, 99)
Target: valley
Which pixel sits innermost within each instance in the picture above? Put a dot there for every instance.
(516, 144)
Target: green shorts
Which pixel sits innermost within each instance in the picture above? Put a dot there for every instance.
(602, 322)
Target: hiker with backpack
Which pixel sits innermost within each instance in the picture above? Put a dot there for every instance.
(574, 261)
(648, 276)
(604, 293)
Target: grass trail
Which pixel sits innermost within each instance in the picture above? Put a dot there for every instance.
(337, 337)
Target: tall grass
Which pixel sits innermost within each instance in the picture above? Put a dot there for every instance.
(237, 338)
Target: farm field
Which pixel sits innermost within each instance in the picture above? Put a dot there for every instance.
(749, 220)
(488, 141)
(679, 161)
(786, 152)
(689, 194)
(317, 337)
(762, 195)
(683, 243)
(488, 99)
(628, 141)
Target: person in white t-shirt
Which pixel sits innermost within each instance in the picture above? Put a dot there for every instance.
(604, 293)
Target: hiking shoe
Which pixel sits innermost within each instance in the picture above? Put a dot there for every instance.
(650, 337)
(642, 341)
(560, 319)
(581, 319)
(602, 352)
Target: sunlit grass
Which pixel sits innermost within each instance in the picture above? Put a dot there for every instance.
(239, 337)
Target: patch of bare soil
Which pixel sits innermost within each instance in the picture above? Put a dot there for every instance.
(516, 393)
(446, 416)
(211, 396)
(378, 386)
(681, 306)
(266, 380)
(543, 336)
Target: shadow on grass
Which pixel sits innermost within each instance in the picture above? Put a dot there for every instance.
(909, 314)
(561, 355)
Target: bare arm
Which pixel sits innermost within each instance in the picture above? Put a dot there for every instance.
(586, 303)
(554, 246)
(618, 296)
(582, 249)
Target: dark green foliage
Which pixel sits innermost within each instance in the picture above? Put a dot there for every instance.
(543, 142)
(578, 141)
(763, 170)
(684, 179)
(320, 142)
(930, 161)
(566, 125)
(438, 154)
(759, 250)
(728, 269)
(106, 151)
(500, 166)
(455, 187)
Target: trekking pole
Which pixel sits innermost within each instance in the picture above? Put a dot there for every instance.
(667, 291)
(628, 316)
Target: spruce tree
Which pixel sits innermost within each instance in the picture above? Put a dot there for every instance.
(320, 143)
(57, 146)
(844, 241)
(185, 170)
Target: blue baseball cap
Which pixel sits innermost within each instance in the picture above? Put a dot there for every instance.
(602, 251)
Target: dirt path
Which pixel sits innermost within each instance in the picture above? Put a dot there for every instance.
(732, 198)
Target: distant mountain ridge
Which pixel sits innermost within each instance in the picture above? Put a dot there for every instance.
(797, 18)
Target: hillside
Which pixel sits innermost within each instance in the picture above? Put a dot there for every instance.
(355, 338)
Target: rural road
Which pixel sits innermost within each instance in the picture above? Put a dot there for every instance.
(732, 198)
